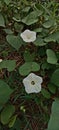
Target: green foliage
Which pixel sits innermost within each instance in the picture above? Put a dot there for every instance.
(51, 57)
(17, 124)
(39, 42)
(53, 37)
(45, 93)
(40, 57)
(55, 77)
(7, 2)
(8, 31)
(8, 64)
(54, 119)
(48, 23)
(38, 30)
(32, 17)
(28, 57)
(52, 88)
(2, 22)
(28, 67)
(12, 121)
(5, 92)
(6, 113)
(14, 41)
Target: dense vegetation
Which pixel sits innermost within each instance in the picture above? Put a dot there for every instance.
(21, 55)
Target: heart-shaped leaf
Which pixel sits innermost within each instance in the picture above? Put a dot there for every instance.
(15, 41)
(27, 67)
(32, 17)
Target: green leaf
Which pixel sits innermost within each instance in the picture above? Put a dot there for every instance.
(17, 124)
(17, 20)
(55, 77)
(54, 119)
(39, 42)
(28, 67)
(18, 27)
(57, 53)
(9, 64)
(45, 66)
(6, 114)
(5, 92)
(48, 23)
(14, 41)
(26, 9)
(45, 93)
(52, 37)
(38, 30)
(12, 121)
(52, 88)
(51, 57)
(32, 17)
(2, 22)
(8, 31)
(30, 21)
(28, 57)
(7, 2)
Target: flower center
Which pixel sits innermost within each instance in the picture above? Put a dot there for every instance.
(28, 36)
(32, 82)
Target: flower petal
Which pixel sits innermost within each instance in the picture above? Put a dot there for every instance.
(0, 60)
(28, 36)
(32, 88)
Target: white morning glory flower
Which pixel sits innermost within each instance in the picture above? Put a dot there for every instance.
(32, 83)
(28, 36)
(0, 60)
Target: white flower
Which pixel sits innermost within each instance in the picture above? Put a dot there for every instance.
(32, 83)
(28, 36)
(0, 60)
